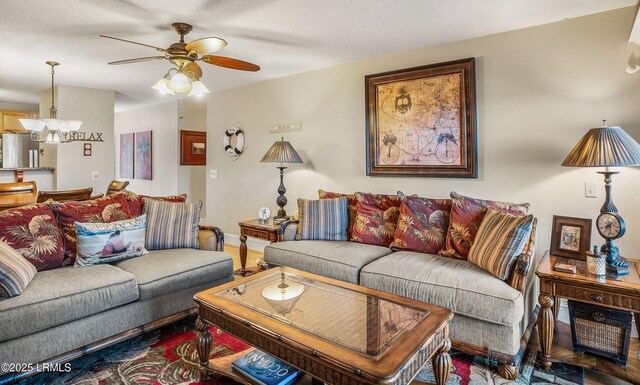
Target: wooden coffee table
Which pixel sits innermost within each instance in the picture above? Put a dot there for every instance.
(335, 332)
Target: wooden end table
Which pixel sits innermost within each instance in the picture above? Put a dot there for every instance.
(621, 293)
(253, 228)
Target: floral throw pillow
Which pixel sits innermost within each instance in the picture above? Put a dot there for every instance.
(108, 209)
(136, 201)
(376, 219)
(422, 224)
(352, 206)
(466, 216)
(32, 230)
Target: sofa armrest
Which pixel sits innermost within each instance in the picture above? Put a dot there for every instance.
(287, 230)
(211, 238)
(522, 271)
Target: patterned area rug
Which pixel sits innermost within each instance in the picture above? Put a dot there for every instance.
(168, 356)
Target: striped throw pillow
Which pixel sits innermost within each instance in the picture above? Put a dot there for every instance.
(15, 271)
(172, 225)
(501, 238)
(324, 219)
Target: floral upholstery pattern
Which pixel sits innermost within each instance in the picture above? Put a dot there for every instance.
(376, 219)
(466, 216)
(422, 224)
(102, 210)
(32, 230)
(136, 201)
(352, 206)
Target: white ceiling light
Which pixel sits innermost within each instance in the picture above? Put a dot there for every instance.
(53, 125)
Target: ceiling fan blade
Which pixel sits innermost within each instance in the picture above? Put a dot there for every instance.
(206, 45)
(137, 60)
(228, 62)
(134, 42)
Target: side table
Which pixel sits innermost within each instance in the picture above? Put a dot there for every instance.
(253, 228)
(621, 293)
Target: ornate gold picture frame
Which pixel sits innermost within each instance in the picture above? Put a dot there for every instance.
(422, 121)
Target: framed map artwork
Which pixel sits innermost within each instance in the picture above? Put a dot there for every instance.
(422, 121)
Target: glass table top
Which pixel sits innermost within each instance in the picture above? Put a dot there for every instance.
(364, 323)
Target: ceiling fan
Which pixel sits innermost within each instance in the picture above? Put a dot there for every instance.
(184, 56)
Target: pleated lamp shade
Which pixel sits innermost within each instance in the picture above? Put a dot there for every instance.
(604, 147)
(281, 152)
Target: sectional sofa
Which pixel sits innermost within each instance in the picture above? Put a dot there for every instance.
(493, 318)
(67, 312)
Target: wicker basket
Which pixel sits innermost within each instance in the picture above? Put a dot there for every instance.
(600, 331)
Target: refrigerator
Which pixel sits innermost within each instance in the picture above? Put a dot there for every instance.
(18, 151)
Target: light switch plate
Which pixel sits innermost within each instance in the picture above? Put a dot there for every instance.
(213, 174)
(95, 175)
(590, 190)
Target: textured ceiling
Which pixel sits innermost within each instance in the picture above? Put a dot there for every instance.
(283, 36)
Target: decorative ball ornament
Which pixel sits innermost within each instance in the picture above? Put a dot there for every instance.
(236, 132)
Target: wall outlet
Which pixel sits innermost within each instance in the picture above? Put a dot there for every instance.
(213, 174)
(590, 190)
(95, 175)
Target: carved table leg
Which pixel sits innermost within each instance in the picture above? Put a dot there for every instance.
(203, 344)
(507, 371)
(442, 363)
(545, 328)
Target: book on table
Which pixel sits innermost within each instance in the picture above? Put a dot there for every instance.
(265, 369)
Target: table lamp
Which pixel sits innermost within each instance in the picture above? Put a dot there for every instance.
(607, 147)
(281, 152)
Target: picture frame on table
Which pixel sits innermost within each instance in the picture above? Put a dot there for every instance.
(570, 237)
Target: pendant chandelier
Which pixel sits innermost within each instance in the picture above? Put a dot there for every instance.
(52, 130)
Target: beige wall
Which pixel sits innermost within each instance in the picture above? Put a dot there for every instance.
(162, 120)
(192, 115)
(538, 89)
(169, 178)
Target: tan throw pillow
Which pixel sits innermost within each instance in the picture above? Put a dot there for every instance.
(501, 238)
(15, 271)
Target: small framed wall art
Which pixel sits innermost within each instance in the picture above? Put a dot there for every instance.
(571, 237)
(193, 148)
(143, 164)
(422, 121)
(126, 155)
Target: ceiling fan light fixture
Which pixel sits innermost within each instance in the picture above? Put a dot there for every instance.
(198, 88)
(180, 83)
(162, 86)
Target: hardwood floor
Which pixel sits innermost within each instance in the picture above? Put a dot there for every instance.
(592, 377)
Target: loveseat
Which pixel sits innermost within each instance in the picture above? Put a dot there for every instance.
(493, 318)
(66, 312)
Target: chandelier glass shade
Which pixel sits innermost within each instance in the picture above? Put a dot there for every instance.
(182, 81)
(52, 130)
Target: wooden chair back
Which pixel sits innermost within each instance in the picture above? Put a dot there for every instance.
(81, 194)
(17, 194)
(116, 186)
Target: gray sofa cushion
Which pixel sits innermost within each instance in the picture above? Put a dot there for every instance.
(58, 296)
(167, 271)
(458, 285)
(333, 259)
